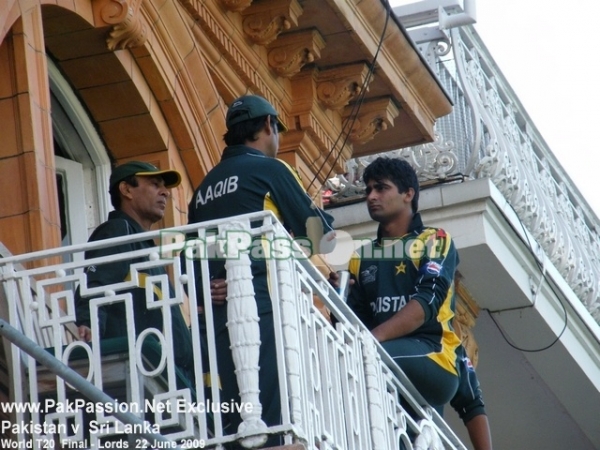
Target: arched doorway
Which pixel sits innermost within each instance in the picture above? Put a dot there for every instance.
(82, 163)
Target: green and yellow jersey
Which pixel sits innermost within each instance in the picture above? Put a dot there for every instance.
(418, 266)
(247, 181)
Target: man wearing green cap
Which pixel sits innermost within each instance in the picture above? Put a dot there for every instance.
(139, 192)
(249, 179)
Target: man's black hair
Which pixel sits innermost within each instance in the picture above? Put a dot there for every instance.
(396, 170)
(115, 195)
(245, 131)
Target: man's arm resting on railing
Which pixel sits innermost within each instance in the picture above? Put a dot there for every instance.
(404, 322)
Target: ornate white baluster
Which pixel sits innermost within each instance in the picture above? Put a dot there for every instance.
(244, 332)
(291, 331)
(374, 395)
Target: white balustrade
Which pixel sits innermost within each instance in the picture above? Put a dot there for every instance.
(339, 388)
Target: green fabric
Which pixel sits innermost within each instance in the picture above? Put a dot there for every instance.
(112, 319)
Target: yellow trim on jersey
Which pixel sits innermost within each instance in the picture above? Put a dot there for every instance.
(354, 265)
(450, 340)
(142, 283)
(269, 205)
(439, 248)
(207, 383)
(294, 172)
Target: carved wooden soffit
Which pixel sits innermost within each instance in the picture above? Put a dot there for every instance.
(264, 21)
(127, 28)
(373, 117)
(467, 312)
(463, 324)
(236, 5)
(338, 87)
(290, 52)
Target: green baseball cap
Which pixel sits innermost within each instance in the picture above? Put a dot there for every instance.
(251, 107)
(143, 169)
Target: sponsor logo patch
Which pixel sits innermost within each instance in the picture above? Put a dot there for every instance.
(369, 274)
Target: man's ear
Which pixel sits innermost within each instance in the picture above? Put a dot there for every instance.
(125, 189)
(269, 126)
(410, 194)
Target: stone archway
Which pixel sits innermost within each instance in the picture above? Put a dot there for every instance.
(149, 98)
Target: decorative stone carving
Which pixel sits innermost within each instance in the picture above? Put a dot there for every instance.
(338, 87)
(373, 117)
(128, 30)
(464, 319)
(264, 21)
(236, 5)
(291, 52)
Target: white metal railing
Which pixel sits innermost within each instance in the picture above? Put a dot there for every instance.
(490, 135)
(523, 168)
(339, 388)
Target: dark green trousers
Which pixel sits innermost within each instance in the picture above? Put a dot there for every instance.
(268, 377)
(433, 382)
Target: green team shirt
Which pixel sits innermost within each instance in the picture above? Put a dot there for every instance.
(247, 181)
(418, 266)
(112, 321)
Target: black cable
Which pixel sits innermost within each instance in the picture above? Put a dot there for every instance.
(535, 350)
(351, 119)
(543, 272)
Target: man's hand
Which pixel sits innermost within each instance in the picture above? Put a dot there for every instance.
(334, 280)
(404, 322)
(85, 333)
(218, 291)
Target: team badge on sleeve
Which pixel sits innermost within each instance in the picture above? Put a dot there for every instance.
(433, 268)
(468, 364)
